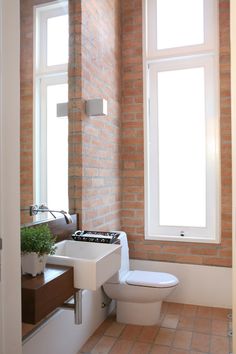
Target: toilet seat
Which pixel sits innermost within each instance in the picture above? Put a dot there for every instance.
(151, 279)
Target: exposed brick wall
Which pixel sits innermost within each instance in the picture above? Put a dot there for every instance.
(26, 99)
(95, 141)
(133, 157)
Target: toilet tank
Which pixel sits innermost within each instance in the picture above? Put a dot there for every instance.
(124, 259)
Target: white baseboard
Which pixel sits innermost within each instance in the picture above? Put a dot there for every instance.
(199, 285)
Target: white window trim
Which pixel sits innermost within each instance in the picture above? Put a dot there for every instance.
(41, 14)
(151, 34)
(43, 76)
(153, 60)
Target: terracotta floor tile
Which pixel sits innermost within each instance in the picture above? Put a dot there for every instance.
(194, 330)
(174, 308)
(103, 327)
(122, 346)
(220, 313)
(90, 344)
(115, 329)
(189, 310)
(204, 312)
(178, 351)
(202, 325)
(182, 339)
(131, 332)
(104, 345)
(141, 348)
(165, 336)
(219, 345)
(200, 342)
(160, 349)
(148, 334)
(186, 322)
(170, 321)
(219, 327)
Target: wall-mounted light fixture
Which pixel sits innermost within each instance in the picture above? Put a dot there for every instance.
(62, 109)
(96, 107)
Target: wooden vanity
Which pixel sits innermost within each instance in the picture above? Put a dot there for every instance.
(46, 292)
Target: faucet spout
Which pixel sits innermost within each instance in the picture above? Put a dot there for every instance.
(67, 216)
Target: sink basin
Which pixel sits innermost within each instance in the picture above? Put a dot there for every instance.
(94, 263)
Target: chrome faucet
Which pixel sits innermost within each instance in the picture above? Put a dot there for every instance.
(35, 209)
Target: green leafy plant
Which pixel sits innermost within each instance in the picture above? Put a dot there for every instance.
(37, 239)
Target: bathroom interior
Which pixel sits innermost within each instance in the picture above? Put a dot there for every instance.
(103, 70)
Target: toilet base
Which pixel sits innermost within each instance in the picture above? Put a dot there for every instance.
(144, 314)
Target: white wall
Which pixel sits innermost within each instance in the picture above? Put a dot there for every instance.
(10, 314)
(61, 336)
(199, 285)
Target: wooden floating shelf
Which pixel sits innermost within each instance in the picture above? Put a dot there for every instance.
(44, 293)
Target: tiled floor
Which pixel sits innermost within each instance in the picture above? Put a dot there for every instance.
(183, 329)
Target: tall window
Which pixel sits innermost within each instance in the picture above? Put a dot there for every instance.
(51, 89)
(181, 123)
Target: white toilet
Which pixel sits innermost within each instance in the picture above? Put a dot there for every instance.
(139, 294)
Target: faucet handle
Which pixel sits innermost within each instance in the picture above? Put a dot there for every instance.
(33, 210)
(43, 206)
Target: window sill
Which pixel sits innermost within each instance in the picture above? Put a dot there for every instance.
(181, 239)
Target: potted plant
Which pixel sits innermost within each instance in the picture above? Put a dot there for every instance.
(36, 244)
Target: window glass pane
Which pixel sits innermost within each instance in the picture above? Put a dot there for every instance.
(182, 148)
(57, 40)
(179, 23)
(57, 149)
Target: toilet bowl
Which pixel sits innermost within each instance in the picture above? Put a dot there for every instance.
(139, 294)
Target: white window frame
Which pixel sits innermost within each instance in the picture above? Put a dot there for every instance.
(44, 76)
(205, 55)
(210, 14)
(41, 14)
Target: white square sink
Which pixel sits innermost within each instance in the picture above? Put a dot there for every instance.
(94, 263)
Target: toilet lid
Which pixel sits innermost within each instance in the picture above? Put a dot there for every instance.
(151, 279)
